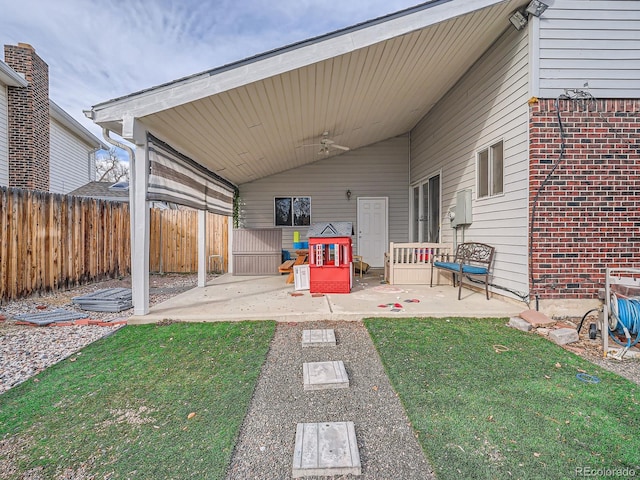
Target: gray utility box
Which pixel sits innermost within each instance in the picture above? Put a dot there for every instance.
(463, 209)
(257, 251)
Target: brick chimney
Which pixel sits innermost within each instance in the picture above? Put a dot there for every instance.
(28, 109)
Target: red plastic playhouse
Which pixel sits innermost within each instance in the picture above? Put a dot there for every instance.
(330, 257)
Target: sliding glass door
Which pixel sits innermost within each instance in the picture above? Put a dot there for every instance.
(425, 210)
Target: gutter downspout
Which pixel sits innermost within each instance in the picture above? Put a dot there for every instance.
(92, 161)
(129, 150)
(116, 143)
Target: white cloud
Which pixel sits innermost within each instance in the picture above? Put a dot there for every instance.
(101, 49)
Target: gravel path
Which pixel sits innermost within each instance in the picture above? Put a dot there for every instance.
(388, 448)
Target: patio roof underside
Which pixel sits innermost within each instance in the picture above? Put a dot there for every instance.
(360, 96)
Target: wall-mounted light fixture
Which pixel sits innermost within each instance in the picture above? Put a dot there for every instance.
(519, 18)
(536, 8)
(348, 194)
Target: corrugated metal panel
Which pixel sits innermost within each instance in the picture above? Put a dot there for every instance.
(68, 160)
(4, 138)
(360, 97)
(377, 170)
(487, 105)
(594, 42)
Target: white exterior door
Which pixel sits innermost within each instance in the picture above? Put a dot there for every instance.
(373, 229)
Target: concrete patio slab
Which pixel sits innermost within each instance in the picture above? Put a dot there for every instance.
(231, 298)
(322, 337)
(324, 375)
(326, 449)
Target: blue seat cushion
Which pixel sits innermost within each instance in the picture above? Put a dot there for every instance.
(470, 269)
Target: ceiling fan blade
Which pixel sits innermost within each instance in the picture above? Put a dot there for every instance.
(340, 147)
(325, 145)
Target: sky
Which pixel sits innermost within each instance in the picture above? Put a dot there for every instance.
(98, 50)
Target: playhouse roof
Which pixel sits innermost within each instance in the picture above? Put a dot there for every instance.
(330, 230)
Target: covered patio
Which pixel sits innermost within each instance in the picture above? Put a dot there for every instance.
(237, 298)
(350, 97)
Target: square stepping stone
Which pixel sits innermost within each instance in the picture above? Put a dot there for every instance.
(328, 448)
(319, 338)
(324, 375)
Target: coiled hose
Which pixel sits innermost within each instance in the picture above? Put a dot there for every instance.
(625, 319)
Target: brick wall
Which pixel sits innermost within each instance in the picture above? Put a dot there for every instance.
(587, 216)
(28, 118)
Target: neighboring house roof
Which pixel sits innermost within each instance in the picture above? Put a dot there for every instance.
(103, 191)
(362, 84)
(10, 77)
(57, 113)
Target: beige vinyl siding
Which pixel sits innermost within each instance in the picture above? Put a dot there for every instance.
(4, 138)
(379, 170)
(594, 42)
(69, 160)
(487, 105)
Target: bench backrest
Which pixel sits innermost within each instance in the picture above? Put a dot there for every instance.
(473, 253)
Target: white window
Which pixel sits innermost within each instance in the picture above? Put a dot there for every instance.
(491, 170)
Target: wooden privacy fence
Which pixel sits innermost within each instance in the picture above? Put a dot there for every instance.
(51, 241)
(174, 240)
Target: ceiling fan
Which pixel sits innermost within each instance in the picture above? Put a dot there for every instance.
(326, 144)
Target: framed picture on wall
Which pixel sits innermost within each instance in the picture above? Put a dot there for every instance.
(292, 211)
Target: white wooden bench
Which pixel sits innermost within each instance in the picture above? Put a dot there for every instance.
(410, 263)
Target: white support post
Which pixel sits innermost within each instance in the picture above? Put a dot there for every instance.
(140, 214)
(230, 245)
(202, 248)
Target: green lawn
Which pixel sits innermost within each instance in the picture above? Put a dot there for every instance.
(518, 414)
(121, 409)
